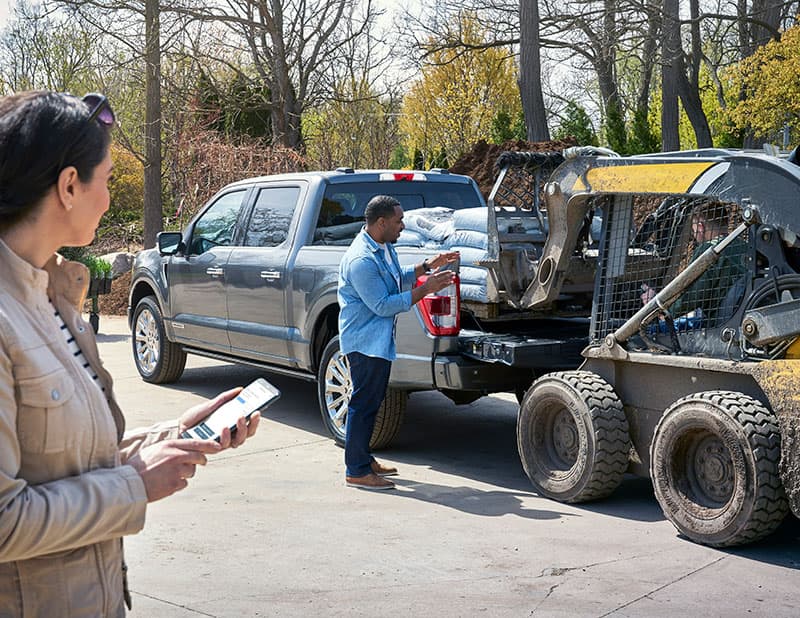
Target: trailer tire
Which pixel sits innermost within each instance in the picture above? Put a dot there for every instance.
(714, 464)
(572, 436)
(334, 389)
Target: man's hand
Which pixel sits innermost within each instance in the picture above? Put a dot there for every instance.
(165, 466)
(442, 259)
(201, 411)
(647, 294)
(437, 281)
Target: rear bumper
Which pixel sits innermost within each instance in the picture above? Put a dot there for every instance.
(456, 372)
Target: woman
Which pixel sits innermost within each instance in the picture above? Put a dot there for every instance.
(71, 483)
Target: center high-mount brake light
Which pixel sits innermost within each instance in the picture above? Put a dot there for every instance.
(402, 176)
(441, 312)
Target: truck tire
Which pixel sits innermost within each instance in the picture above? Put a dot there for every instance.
(714, 464)
(334, 389)
(157, 359)
(572, 436)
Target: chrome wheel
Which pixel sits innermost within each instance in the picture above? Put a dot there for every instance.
(147, 342)
(338, 389)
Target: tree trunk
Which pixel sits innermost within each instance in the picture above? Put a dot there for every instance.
(648, 58)
(689, 87)
(530, 72)
(690, 98)
(153, 209)
(671, 52)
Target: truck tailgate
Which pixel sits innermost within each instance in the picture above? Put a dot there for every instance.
(559, 349)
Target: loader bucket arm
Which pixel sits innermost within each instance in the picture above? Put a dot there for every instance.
(566, 220)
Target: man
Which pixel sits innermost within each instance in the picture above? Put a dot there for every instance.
(373, 289)
(704, 297)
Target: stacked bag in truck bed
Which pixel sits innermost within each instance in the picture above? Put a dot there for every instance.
(445, 229)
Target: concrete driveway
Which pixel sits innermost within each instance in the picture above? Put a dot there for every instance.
(271, 530)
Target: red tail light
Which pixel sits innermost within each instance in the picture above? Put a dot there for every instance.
(441, 312)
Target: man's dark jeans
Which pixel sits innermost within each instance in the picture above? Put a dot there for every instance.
(370, 378)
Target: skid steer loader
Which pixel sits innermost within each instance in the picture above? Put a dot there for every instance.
(692, 374)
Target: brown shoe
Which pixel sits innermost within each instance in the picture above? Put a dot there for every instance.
(381, 470)
(369, 481)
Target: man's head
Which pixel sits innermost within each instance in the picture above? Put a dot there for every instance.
(709, 221)
(384, 217)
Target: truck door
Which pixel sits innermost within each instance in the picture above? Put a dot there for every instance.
(257, 283)
(196, 279)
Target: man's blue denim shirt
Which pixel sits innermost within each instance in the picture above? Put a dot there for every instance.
(369, 299)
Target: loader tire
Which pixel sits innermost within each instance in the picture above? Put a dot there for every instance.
(714, 465)
(572, 436)
(334, 389)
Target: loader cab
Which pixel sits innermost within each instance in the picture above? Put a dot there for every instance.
(659, 214)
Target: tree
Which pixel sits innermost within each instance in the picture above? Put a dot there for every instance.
(294, 47)
(510, 25)
(530, 74)
(576, 123)
(671, 50)
(38, 51)
(357, 125)
(770, 81)
(356, 129)
(452, 105)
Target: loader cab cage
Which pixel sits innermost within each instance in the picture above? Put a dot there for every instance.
(646, 241)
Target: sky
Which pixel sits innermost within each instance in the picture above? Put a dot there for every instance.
(4, 11)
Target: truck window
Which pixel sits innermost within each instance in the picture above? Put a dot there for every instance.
(216, 225)
(271, 216)
(342, 213)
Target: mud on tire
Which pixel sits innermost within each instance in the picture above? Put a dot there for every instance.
(714, 464)
(572, 436)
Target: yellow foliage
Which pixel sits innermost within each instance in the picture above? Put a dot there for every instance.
(452, 105)
(770, 80)
(126, 186)
(355, 129)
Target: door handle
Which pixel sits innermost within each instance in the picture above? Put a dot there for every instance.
(272, 275)
(215, 272)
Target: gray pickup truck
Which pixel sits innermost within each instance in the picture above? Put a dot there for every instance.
(252, 279)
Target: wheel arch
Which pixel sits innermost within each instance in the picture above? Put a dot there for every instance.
(140, 289)
(326, 326)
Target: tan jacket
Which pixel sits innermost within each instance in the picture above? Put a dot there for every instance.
(66, 498)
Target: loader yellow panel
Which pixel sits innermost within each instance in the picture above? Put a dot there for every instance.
(644, 178)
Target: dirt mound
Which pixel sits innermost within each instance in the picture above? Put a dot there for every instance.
(479, 162)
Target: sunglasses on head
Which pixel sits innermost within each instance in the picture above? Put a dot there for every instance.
(100, 109)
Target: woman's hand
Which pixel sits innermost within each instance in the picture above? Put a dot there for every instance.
(200, 412)
(165, 466)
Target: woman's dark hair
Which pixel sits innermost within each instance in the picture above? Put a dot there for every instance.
(380, 206)
(41, 133)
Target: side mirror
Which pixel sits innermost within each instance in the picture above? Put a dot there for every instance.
(170, 243)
